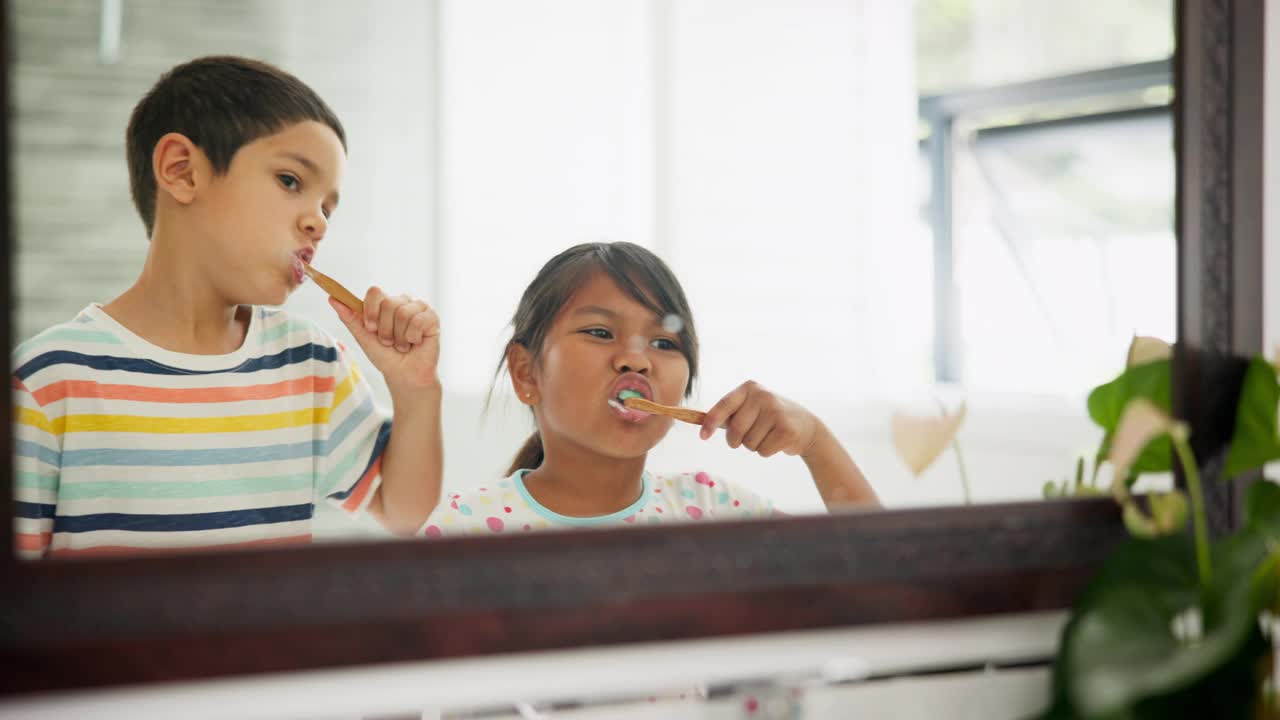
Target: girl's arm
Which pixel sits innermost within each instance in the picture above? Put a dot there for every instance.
(412, 464)
(837, 476)
(765, 423)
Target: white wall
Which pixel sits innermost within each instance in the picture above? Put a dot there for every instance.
(382, 87)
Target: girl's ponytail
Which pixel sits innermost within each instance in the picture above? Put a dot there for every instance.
(529, 456)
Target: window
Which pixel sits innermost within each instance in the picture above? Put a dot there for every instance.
(1050, 199)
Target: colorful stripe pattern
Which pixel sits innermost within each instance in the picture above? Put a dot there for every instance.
(122, 447)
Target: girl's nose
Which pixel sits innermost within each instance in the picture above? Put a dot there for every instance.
(632, 357)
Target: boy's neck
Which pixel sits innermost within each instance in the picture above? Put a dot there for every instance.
(582, 485)
(173, 306)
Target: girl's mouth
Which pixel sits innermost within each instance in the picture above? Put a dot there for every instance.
(623, 412)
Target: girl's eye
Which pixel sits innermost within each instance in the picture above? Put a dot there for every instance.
(665, 344)
(599, 333)
(288, 181)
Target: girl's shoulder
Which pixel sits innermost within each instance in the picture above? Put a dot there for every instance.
(494, 508)
(700, 493)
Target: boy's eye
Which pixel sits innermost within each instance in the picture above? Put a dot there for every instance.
(288, 181)
(599, 333)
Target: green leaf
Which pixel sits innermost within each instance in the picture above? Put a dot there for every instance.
(1255, 441)
(1107, 403)
(1166, 566)
(1149, 380)
(1262, 508)
(1119, 652)
(1253, 554)
(1233, 689)
(1265, 584)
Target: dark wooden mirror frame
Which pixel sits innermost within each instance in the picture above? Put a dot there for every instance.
(80, 624)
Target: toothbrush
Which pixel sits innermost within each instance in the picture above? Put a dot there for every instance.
(334, 288)
(632, 399)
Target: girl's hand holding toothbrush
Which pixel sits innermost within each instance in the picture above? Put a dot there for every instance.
(765, 423)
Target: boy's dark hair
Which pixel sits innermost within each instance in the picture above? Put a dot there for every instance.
(221, 103)
(636, 270)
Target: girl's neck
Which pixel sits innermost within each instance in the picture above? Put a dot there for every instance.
(173, 305)
(580, 484)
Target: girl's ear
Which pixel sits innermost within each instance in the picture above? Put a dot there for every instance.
(179, 166)
(520, 368)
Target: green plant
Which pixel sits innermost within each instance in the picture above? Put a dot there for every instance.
(1079, 488)
(1176, 625)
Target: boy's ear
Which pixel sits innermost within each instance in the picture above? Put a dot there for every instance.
(178, 166)
(520, 368)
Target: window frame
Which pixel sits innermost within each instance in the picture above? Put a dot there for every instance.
(80, 624)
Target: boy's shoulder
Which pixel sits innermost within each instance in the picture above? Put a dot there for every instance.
(279, 327)
(92, 342)
(82, 335)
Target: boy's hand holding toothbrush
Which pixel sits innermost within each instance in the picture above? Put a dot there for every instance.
(400, 335)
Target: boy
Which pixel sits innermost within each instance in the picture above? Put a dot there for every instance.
(182, 414)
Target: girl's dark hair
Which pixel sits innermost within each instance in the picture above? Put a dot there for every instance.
(636, 270)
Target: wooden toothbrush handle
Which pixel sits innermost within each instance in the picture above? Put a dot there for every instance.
(693, 417)
(335, 289)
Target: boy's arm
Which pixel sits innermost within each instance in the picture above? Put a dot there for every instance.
(401, 337)
(37, 460)
(412, 463)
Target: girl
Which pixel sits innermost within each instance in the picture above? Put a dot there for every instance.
(598, 320)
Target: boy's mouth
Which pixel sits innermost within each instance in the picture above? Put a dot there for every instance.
(298, 260)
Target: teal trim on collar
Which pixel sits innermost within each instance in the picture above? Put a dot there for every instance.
(612, 518)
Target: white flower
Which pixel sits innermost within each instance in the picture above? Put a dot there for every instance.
(1147, 349)
(920, 440)
(1140, 423)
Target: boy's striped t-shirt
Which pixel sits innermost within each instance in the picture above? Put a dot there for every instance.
(124, 447)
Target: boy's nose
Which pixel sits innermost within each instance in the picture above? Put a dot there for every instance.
(314, 226)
